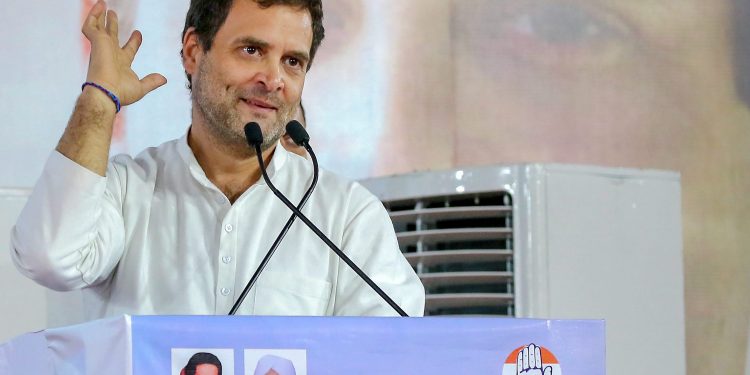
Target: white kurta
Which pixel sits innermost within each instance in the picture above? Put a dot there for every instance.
(157, 237)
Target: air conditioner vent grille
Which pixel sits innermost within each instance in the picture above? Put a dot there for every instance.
(462, 248)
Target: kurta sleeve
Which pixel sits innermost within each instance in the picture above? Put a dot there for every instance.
(70, 234)
(370, 241)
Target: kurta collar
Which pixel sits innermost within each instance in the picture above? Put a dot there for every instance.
(278, 159)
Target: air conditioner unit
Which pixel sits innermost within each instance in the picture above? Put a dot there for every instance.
(551, 241)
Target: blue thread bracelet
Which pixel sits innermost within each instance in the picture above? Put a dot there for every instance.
(109, 93)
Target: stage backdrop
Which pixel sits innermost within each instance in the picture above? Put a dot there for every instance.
(428, 84)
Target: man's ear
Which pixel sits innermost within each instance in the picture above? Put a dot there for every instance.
(191, 51)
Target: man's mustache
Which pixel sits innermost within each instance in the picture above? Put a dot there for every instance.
(261, 94)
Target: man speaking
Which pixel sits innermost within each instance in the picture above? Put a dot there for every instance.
(180, 228)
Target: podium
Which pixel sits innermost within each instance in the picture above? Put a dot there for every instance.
(250, 345)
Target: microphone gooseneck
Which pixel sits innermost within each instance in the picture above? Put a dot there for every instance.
(254, 137)
(323, 237)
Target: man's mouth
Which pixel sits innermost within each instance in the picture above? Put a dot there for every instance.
(260, 105)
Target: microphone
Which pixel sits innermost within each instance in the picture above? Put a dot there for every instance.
(298, 133)
(254, 137)
(254, 134)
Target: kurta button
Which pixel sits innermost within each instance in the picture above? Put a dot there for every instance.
(225, 291)
(226, 259)
(228, 227)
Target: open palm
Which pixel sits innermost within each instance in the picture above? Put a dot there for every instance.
(110, 64)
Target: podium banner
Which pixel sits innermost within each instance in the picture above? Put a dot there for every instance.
(257, 345)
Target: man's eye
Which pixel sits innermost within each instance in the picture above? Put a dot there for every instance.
(293, 62)
(250, 50)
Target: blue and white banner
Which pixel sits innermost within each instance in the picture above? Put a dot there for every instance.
(252, 345)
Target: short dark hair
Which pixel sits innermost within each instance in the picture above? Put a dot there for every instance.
(207, 16)
(201, 359)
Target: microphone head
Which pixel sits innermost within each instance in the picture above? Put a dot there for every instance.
(253, 134)
(297, 132)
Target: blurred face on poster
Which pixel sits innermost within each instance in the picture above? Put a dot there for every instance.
(609, 82)
(202, 363)
(625, 83)
(206, 369)
(621, 83)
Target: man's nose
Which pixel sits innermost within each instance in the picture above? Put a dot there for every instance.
(271, 76)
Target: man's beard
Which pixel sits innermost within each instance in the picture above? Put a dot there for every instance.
(222, 119)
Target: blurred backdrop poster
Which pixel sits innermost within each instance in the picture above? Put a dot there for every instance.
(399, 86)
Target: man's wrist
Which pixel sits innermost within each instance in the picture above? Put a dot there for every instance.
(99, 99)
(94, 87)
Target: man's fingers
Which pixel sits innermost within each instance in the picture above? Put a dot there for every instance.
(92, 19)
(133, 44)
(152, 81)
(112, 25)
(101, 19)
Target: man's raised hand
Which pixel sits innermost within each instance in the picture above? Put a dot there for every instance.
(109, 64)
